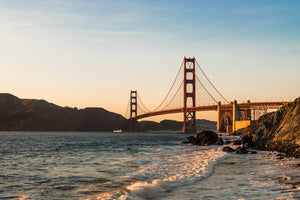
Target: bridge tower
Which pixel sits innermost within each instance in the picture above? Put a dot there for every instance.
(189, 95)
(133, 111)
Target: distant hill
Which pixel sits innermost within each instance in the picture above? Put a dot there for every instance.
(172, 125)
(39, 115)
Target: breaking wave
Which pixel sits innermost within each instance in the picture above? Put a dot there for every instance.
(165, 173)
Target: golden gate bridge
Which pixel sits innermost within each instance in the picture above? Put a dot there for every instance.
(193, 91)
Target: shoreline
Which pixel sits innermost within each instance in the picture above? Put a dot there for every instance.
(250, 176)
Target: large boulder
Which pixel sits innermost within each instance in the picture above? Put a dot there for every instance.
(220, 141)
(235, 142)
(228, 149)
(190, 140)
(206, 138)
(241, 150)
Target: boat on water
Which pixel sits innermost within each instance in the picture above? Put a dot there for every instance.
(118, 131)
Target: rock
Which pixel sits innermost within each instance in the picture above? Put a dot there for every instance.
(206, 138)
(228, 149)
(247, 140)
(275, 131)
(227, 141)
(253, 152)
(280, 155)
(220, 141)
(297, 165)
(236, 142)
(191, 140)
(241, 150)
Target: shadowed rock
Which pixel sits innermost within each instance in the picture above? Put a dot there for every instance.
(220, 141)
(206, 138)
(276, 131)
(228, 149)
(241, 150)
(235, 142)
(191, 140)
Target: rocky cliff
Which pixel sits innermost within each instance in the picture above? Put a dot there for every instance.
(278, 131)
(39, 115)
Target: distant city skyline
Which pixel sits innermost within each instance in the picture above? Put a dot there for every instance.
(85, 53)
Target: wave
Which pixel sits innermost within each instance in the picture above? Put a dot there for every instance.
(166, 172)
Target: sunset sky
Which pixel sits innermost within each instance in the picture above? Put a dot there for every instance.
(88, 53)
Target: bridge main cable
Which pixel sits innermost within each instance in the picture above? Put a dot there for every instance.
(127, 109)
(173, 96)
(140, 100)
(211, 83)
(205, 88)
(170, 88)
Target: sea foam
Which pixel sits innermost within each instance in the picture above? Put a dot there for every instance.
(167, 172)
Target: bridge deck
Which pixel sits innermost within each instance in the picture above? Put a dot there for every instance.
(251, 105)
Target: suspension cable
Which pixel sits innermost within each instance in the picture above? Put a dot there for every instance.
(140, 100)
(170, 88)
(127, 109)
(211, 83)
(173, 96)
(205, 88)
(141, 109)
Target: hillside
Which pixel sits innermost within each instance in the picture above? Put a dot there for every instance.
(39, 115)
(172, 125)
(278, 130)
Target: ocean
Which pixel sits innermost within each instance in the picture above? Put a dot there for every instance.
(104, 165)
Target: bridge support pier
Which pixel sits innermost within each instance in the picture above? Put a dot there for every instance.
(133, 125)
(218, 118)
(133, 111)
(189, 95)
(236, 115)
(232, 118)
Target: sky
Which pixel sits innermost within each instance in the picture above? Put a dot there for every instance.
(89, 53)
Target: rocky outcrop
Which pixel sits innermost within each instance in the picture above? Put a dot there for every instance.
(39, 115)
(241, 150)
(207, 138)
(276, 131)
(228, 149)
(204, 138)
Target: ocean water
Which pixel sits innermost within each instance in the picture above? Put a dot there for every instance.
(85, 165)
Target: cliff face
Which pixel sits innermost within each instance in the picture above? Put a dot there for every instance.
(39, 115)
(279, 130)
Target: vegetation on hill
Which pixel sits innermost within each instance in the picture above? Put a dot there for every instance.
(39, 115)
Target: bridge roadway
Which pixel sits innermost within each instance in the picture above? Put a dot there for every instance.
(249, 105)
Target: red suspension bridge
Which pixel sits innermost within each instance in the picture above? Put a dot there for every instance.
(194, 92)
